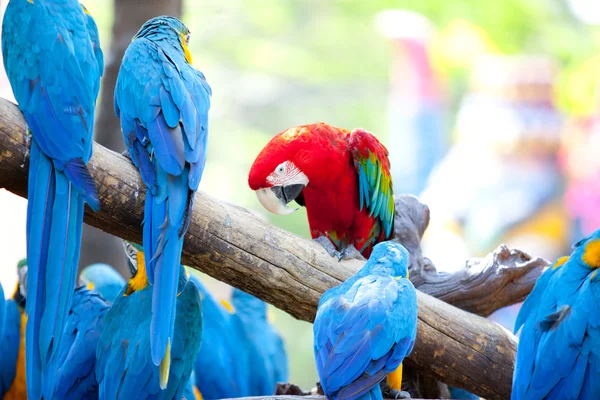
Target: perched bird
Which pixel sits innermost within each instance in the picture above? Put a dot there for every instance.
(222, 368)
(124, 366)
(163, 102)
(103, 279)
(558, 355)
(75, 378)
(267, 357)
(12, 346)
(343, 179)
(366, 326)
(54, 71)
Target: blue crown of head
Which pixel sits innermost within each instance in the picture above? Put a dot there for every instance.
(390, 255)
(163, 25)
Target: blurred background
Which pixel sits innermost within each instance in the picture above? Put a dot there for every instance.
(489, 111)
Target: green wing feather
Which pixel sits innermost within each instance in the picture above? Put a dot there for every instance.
(374, 178)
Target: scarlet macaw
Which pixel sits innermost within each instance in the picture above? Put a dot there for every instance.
(267, 356)
(103, 279)
(343, 179)
(222, 367)
(124, 366)
(558, 355)
(163, 104)
(54, 63)
(366, 326)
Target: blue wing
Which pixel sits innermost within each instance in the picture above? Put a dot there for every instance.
(54, 73)
(163, 106)
(363, 334)
(10, 338)
(77, 352)
(125, 369)
(558, 355)
(221, 366)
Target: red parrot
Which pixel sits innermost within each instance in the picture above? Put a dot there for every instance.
(341, 177)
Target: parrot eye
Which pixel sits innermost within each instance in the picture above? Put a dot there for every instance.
(280, 169)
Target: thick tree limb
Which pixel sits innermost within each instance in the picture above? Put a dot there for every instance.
(234, 246)
(483, 286)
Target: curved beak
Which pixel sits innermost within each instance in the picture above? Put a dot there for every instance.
(276, 199)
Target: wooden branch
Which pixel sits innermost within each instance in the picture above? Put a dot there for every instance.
(483, 286)
(234, 246)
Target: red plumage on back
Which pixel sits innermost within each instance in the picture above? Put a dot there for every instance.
(341, 177)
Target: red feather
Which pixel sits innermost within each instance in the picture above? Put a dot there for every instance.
(324, 154)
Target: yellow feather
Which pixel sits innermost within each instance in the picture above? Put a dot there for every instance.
(394, 379)
(18, 388)
(165, 367)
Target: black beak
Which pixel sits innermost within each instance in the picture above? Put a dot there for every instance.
(287, 193)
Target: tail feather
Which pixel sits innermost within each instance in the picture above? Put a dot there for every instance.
(55, 216)
(39, 212)
(164, 245)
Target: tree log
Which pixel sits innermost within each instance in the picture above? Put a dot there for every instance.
(234, 246)
(506, 276)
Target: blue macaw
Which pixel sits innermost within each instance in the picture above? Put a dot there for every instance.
(103, 279)
(366, 326)
(54, 63)
(222, 368)
(12, 386)
(267, 357)
(559, 348)
(124, 367)
(76, 357)
(163, 104)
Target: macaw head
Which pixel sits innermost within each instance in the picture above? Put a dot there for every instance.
(167, 29)
(137, 266)
(291, 160)
(588, 250)
(103, 279)
(388, 257)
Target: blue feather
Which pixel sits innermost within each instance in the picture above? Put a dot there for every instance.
(54, 63)
(366, 326)
(161, 128)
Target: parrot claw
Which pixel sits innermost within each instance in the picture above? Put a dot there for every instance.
(399, 394)
(127, 155)
(326, 243)
(350, 252)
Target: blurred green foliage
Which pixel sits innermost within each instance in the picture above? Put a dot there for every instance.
(273, 64)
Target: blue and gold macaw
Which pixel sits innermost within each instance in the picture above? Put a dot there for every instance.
(103, 279)
(54, 63)
(366, 326)
(222, 367)
(267, 357)
(76, 357)
(124, 366)
(163, 104)
(559, 348)
(12, 346)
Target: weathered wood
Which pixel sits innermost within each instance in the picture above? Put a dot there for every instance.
(234, 246)
(483, 286)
